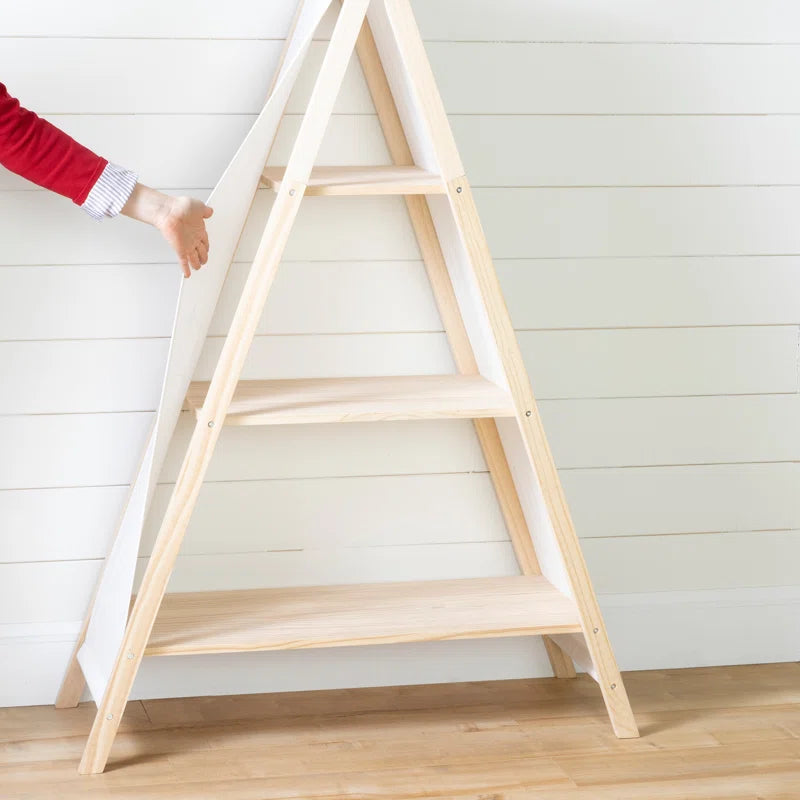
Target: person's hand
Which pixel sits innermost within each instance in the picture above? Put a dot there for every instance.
(182, 225)
(181, 221)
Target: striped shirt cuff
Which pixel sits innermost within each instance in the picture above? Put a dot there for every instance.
(110, 192)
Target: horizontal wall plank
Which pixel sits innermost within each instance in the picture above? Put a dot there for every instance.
(621, 565)
(58, 591)
(98, 375)
(661, 361)
(337, 356)
(613, 21)
(48, 378)
(598, 222)
(340, 565)
(675, 430)
(337, 297)
(121, 375)
(76, 523)
(512, 20)
(67, 524)
(697, 629)
(74, 238)
(688, 562)
(520, 223)
(677, 565)
(651, 292)
(618, 565)
(57, 377)
(687, 499)
(358, 448)
(537, 150)
(110, 301)
(148, 18)
(350, 511)
(477, 78)
(43, 451)
(474, 78)
(216, 86)
(658, 150)
(71, 450)
(137, 300)
(70, 583)
(154, 145)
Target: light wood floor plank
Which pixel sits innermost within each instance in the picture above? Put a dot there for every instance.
(722, 733)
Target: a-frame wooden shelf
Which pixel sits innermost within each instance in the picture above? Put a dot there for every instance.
(347, 180)
(304, 400)
(553, 597)
(384, 613)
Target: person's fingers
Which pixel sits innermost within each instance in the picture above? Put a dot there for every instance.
(194, 259)
(202, 251)
(204, 238)
(207, 212)
(185, 267)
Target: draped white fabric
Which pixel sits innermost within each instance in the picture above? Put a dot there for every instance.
(197, 300)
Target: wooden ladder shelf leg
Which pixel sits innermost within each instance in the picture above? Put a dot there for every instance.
(226, 375)
(481, 302)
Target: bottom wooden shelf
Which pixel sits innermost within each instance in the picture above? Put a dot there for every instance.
(330, 616)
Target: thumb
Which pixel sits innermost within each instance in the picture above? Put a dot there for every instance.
(207, 212)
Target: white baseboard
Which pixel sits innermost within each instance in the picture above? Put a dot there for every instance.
(649, 631)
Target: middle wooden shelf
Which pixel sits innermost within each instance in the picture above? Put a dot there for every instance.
(302, 400)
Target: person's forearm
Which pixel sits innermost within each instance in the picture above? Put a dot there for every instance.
(148, 205)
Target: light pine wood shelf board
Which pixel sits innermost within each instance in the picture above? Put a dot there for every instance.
(330, 616)
(304, 400)
(354, 180)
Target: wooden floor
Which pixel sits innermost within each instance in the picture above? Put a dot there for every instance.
(729, 733)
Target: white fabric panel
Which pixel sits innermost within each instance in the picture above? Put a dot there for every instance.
(196, 303)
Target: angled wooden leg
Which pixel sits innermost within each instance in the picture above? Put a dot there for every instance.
(538, 454)
(439, 278)
(190, 479)
(223, 384)
(497, 350)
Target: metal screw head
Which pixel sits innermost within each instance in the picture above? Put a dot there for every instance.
(211, 424)
(130, 656)
(291, 192)
(458, 189)
(110, 716)
(527, 413)
(595, 630)
(613, 685)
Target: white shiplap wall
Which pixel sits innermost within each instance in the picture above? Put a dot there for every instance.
(637, 169)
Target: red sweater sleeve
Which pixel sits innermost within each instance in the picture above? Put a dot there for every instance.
(45, 155)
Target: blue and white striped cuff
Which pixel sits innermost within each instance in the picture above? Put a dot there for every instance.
(110, 192)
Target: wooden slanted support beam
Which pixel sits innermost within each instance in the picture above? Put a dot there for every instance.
(478, 292)
(223, 385)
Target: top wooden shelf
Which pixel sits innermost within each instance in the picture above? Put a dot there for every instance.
(299, 400)
(362, 180)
